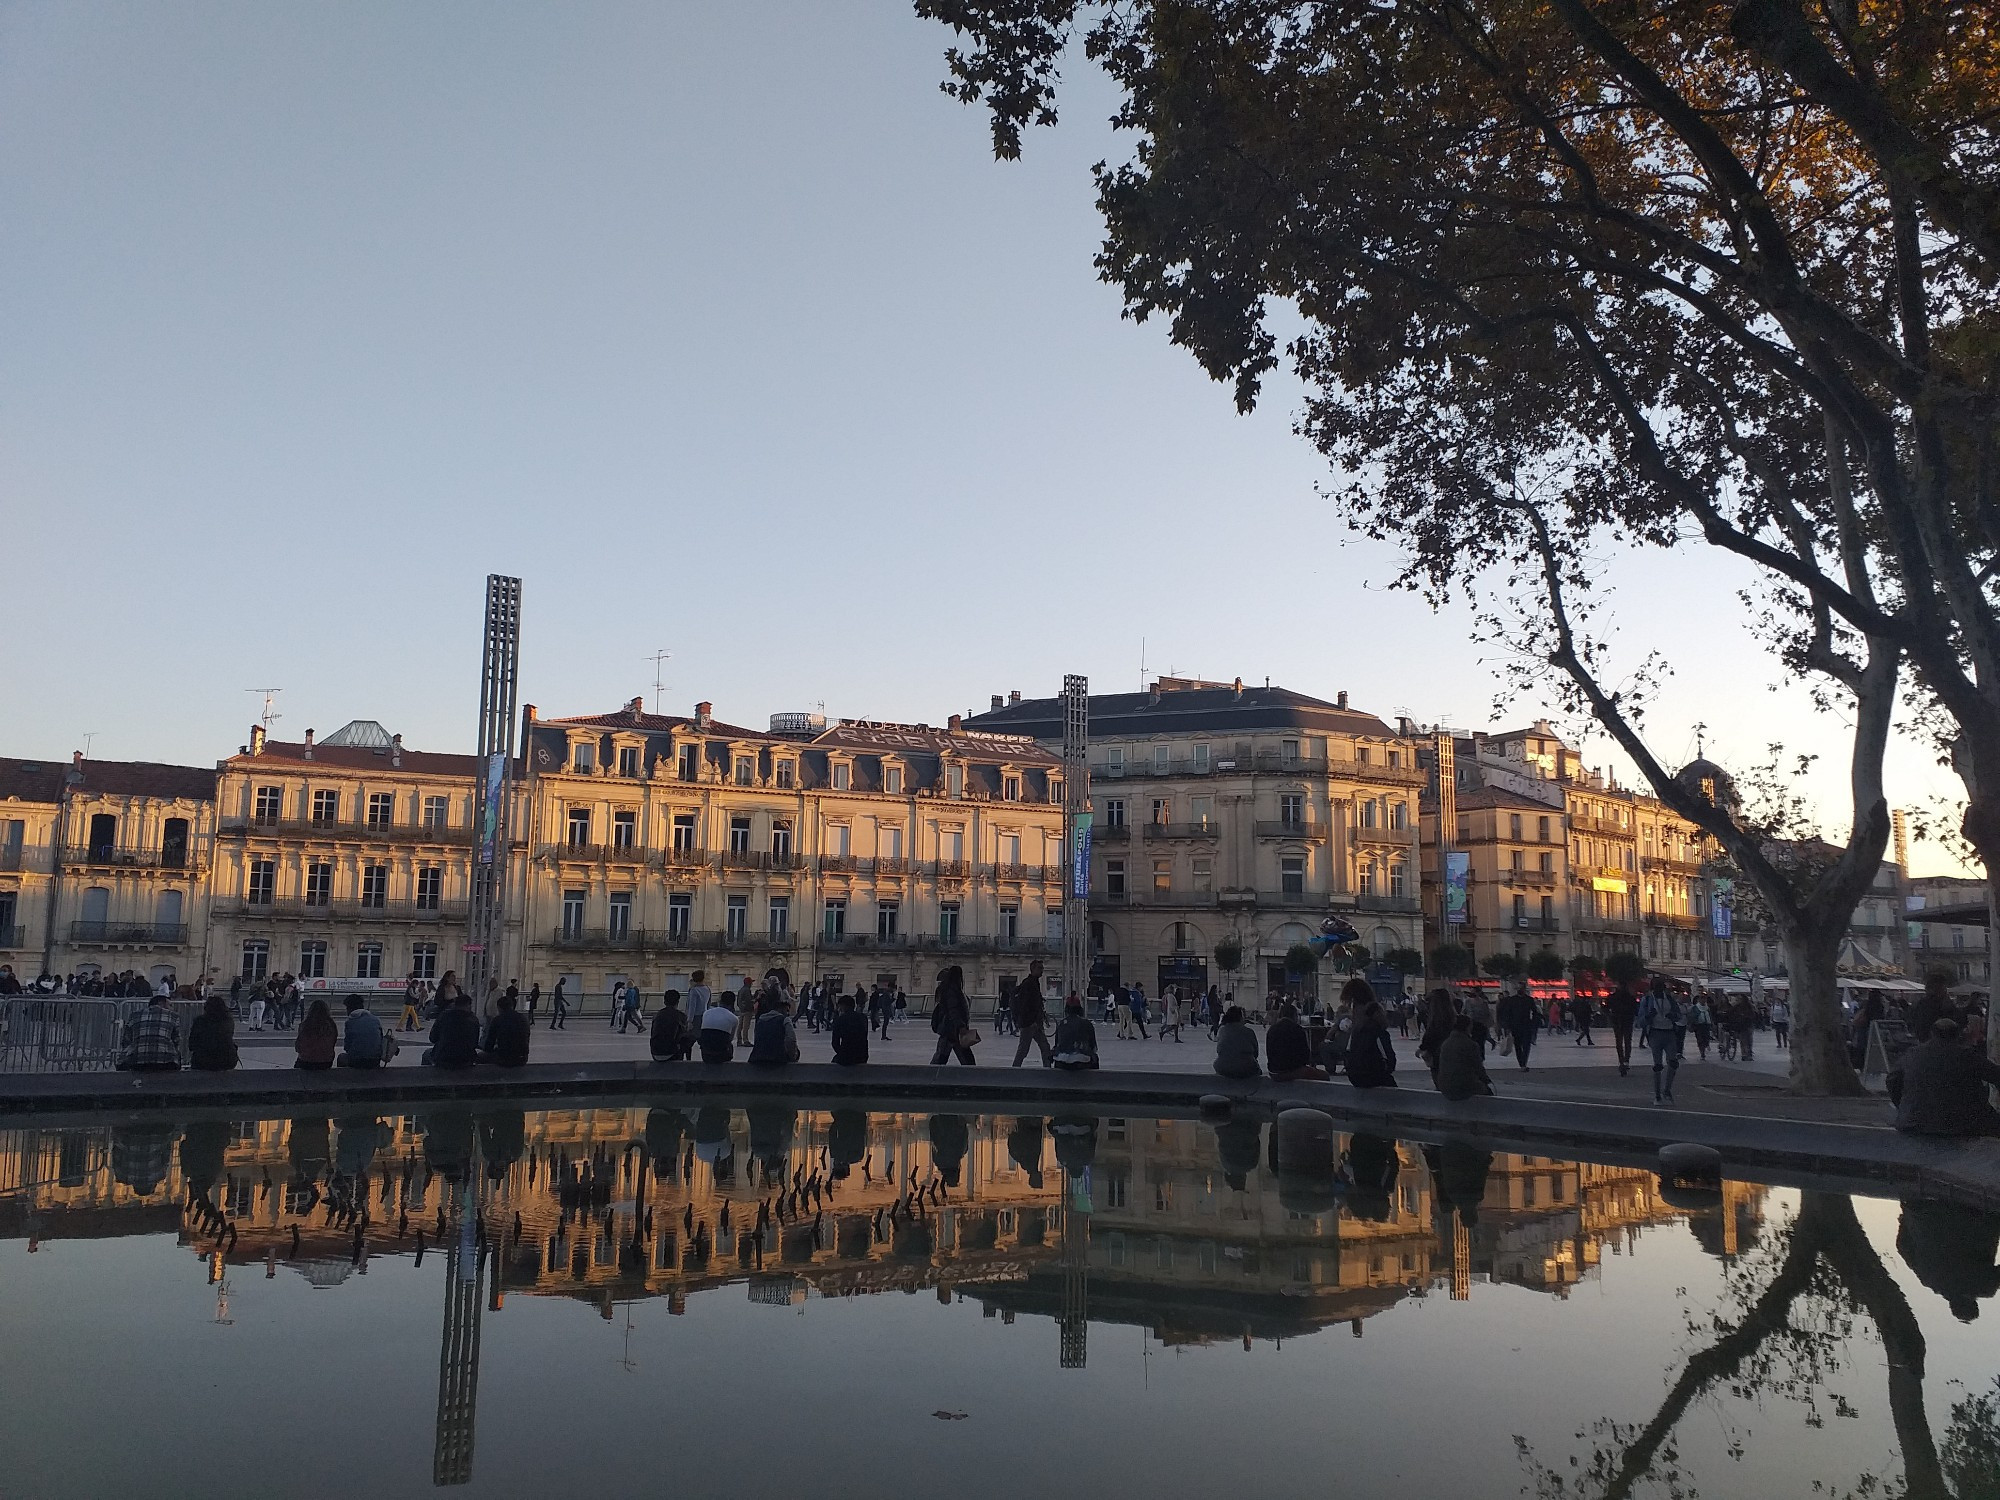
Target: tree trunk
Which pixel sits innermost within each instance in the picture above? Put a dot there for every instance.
(1820, 1064)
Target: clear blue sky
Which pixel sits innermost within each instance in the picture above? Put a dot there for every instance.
(717, 324)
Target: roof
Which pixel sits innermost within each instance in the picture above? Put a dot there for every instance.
(31, 780)
(637, 720)
(355, 758)
(367, 734)
(44, 780)
(894, 739)
(1189, 710)
(1494, 796)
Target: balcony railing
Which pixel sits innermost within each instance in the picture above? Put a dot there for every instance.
(1672, 864)
(1374, 903)
(1395, 838)
(345, 911)
(342, 828)
(1525, 876)
(685, 859)
(1285, 829)
(1679, 920)
(951, 869)
(1535, 924)
(843, 864)
(13, 937)
(609, 854)
(891, 864)
(1112, 833)
(105, 856)
(896, 941)
(600, 940)
(139, 934)
(1208, 830)
(11, 857)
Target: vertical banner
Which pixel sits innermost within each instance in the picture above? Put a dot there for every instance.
(1722, 910)
(1079, 868)
(489, 806)
(1457, 876)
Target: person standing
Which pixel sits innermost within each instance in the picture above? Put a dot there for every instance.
(1585, 1018)
(1139, 1009)
(534, 999)
(951, 1019)
(1781, 1024)
(1122, 1009)
(1518, 1017)
(617, 1013)
(746, 1014)
(698, 998)
(1623, 1009)
(1743, 1021)
(1701, 1021)
(1030, 1015)
(1663, 1023)
(412, 989)
(1170, 1012)
(1214, 1011)
(559, 1007)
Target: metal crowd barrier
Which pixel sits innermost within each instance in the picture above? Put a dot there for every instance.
(73, 1034)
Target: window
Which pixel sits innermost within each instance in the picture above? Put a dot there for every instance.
(1114, 812)
(572, 914)
(954, 781)
(424, 960)
(781, 838)
(256, 959)
(746, 771)
(1204, 874)
(1163, 812)
(1010, 789)
(269, 807)
(888, 919)
(579, 827)
(951, 845)
(1369, 813)
(624, 830)
(1114, 877)
(1361, 755)
(381, 810)
(263, 882)
(680, 915)
(839, 840)
(785, 775)
(736, 918)
(1399, 816)
(1292, 875)
(368, 961)
(1201, 811)
(1010, 848)
(1163, 877)
(1159, 760)
(889, 841)
(430, 887)
(1399, 879)
(688, 763)
(312, 958)
(843, 776)
(1542, 830)
(583, 757)
(948, 922)
(1292, 810)
(1010, 923)
(781, 918)
(1201, 756)
(1290, 752)
(739, 834)
(1395, 758)
(1514, 861)
(683, 833)
(375, 886)
(620, 924)
(1056, 789)
(1513, 825)
(319, 884)
(437, 812)
(1548, 913)
(834, 919)
(1115, 759)
(628, 760)
(892, 780)
(1520, 911)
(1365, 874)
(326, 807)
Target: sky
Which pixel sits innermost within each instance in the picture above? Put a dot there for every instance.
(717, 325)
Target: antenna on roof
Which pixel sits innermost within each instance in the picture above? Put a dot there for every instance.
(89, 735)
(1699, 730)
(270, 715)
(1142, 664)
(658, 658)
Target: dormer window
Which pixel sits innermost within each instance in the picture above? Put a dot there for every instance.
(784, 775)
(583, 757)
(1055, 789)
(688, 762)
(1010, 788)
(843, 776)
(746, 771)
(954, 781)
(628, 761)
(1201, 757)
(892, 780)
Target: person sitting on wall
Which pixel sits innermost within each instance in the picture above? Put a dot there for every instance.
(718, 1031)
(1236, 1047)
(1939, 1086)
(850, 1033)
(212, 1037)
(454, 1034)
(1288, 1050)
(362, 1042)
(507, 1037)
(773, 1042)
(1371, 1056)
(1076, 1039)
(152, 1040)
(1461, 1070)
(673, 1037)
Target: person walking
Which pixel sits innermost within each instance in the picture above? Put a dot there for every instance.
(559, 1007)
(1122, 1009)
(1585, 1017)
(1139, 1009)
(1214, 1011)
(534, 999)
(1171, 1004)
(1623, 1009)
(951, 1019)
(1701, 1021)
(1743, 1022)
(1663, 1022)
(617, 1011)
(412, 990)
(1030, 1015)
(634, 1014)
(1518, 1018)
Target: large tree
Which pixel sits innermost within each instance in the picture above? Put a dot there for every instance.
(1679, 273)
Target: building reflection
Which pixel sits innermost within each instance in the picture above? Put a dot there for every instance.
(1178, 1226)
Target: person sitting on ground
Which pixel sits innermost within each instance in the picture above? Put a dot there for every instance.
(1076, 1039)
(212, 1037)
(672, 1037)
(1288, 1050)
(455, 1033)
(1461, 1069)
(507, 1037)
(362, 1044)
(317, 1040)
(1236, 1046)
(1371, 1056)
(773, 1042)
(718, 1030)
(850, 1033)
(152, 1040)
(1939, 1086)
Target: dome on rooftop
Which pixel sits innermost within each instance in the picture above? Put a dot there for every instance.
(1708, 781)
(360, 734)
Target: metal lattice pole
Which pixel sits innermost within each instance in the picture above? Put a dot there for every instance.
(458, 1351)
(1076, 834)
(498, 690)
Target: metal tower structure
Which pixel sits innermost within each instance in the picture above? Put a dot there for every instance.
(1074, 1324)
(1076, 834)
(458, 1353)
(498, 691)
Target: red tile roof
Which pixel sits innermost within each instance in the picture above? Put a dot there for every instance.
(44, 780)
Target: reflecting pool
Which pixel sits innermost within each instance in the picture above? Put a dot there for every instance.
(767, 1301)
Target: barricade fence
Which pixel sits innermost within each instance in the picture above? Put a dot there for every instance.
(73, 1034)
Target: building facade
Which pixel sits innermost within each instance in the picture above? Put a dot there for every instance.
(1948, 931)
(1221, 811)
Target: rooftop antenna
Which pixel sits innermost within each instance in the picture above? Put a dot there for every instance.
(1699, 730)
(658, 659)
(88, 736)
(270, 715)
(1142, 664)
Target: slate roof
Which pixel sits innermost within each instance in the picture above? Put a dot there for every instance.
(1198, 710)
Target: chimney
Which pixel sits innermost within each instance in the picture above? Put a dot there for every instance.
(702, 712)
(309, 744)
(395, 749)
(1013, 697)
(1340, 699)
(998, 700)
(954, 723)
(529, 710)
(636, 707)
(1236, 687)
(256, 739)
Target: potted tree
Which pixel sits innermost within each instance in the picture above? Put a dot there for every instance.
(1625, 968)
(1301, 961)
(1545, 964)
(1229, 958)
(1451, 961)
(1500, 965)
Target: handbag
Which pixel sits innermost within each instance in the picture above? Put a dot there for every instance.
(1506, 1047)
(968, 1038)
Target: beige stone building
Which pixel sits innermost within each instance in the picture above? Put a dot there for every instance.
(104, 867)
(658, 846)
(1227, 811)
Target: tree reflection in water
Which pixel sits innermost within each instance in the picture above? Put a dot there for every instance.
(1790, 1312)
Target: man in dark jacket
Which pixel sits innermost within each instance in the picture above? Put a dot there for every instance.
(1623, 1009)
(1516, 1015)
(1939, 1087)
(1461, 1070)
(1031, 1016)
(850, 1033)
(1288, 1050)
(672, 1038)
(454, 1035)
(1076, 1039)
(507, 1038)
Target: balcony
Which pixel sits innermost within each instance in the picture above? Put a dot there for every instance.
(1208, 830)
(1314, 833)
(596, 854)
(958, 943)
(894, 943)
(1358, 770)
(745, 859)
(951, 869)
(346, 911)
(1020, 873)
(1680, 921)
(1668, 864)
(104, 856)
(1373, 903)
(131, 934)
(599, 940)
(1112, 833)
(1537, 879)
(1533, 924)
(891, 864)
(1393, 838)
(311, 828)
(845, 864)
(689, 858)
(12, 937)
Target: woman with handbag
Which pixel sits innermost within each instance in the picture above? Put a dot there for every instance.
(951, 1019)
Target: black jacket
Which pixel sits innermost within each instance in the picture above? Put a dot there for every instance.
(1029, 1009)
(1939, 1088)
(850, 1038)
(455, 1038)
(212, 1043)
(1286, 1048)
(1371, 1058)
(669, 1038)
(507, 1044)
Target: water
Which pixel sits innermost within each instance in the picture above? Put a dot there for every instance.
(1154, 1314)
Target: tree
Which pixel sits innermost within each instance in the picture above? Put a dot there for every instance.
(1625, 968)
(1229, 958)
(1545, 963)
(1405, 960)
(1300, 959)
(1500, 965)
(1585, 966)
(1451, 961)
(1574, 274)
